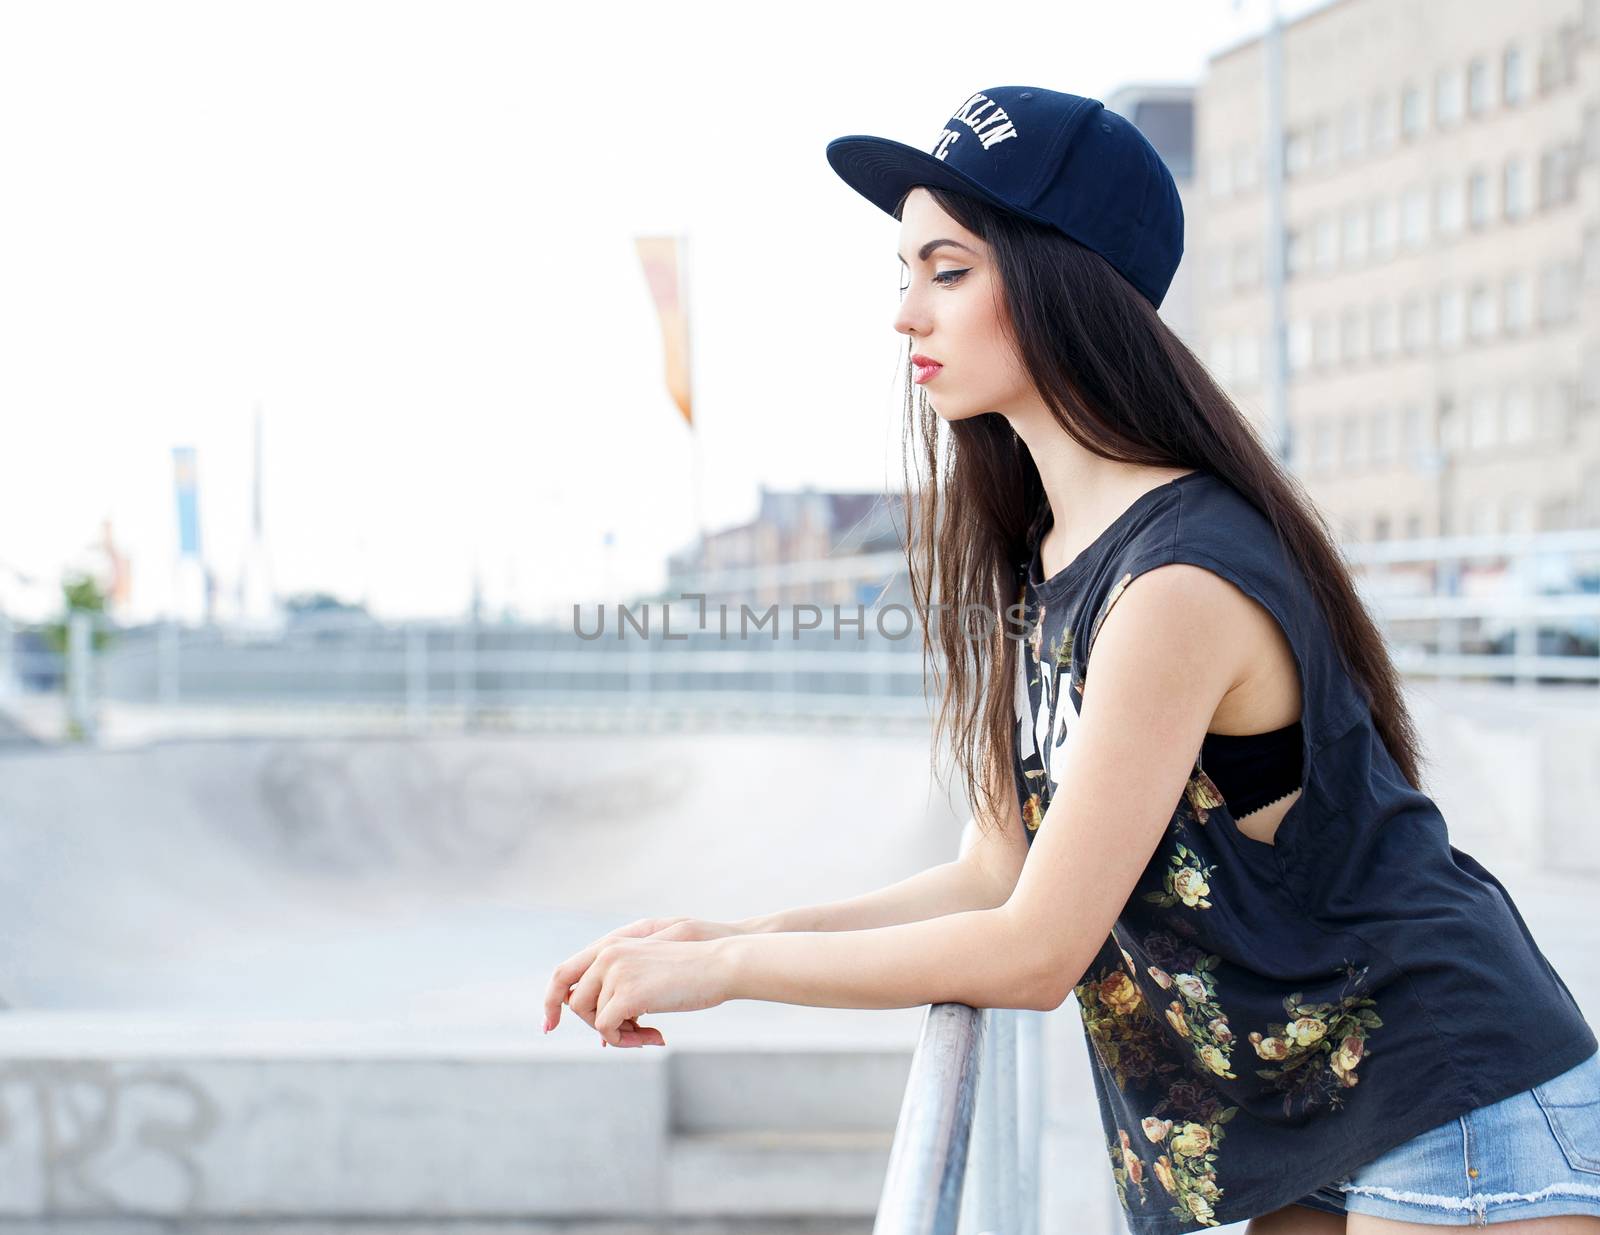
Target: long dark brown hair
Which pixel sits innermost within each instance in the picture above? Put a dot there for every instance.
(1124, 387)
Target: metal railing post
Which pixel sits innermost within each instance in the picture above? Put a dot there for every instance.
(416, 677)
(80, 667)
(9, 686)
(167, 663)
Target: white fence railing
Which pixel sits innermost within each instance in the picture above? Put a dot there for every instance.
(1523, 608)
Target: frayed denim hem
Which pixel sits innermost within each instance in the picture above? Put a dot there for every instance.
(1485, 1208)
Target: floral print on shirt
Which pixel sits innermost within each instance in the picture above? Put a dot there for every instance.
(1158, 1024)
(1187, 1123)
(1185, 883)
(1318, 1045)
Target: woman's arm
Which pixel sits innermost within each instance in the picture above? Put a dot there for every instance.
(1162, 666)
(979, 957)
(950, 887)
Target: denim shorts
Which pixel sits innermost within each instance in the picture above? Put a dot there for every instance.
(1531, 1155)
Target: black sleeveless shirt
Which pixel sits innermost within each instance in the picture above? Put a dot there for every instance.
(1265, 1017)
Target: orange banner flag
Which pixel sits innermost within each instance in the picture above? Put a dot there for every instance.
(661, 256)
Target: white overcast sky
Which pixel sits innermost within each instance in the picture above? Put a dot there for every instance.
(404, 231)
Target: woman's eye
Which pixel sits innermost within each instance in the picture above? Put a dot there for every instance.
(945, 278)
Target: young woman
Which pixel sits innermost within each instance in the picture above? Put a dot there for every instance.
(1304, 1006)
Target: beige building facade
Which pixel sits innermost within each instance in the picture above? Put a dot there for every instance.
(1442, 259)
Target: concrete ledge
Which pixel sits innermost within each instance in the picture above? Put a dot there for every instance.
(189, 1122)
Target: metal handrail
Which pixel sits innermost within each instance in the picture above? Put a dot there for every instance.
(960, 1120)
(928, 1157)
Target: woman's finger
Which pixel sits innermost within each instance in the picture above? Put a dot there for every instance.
(567, 974)
(563, 978)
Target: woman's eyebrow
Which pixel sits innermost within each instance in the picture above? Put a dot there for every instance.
(922, 253)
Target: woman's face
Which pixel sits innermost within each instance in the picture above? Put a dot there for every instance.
(950, 307)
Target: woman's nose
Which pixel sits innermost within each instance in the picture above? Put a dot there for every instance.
(909, 320)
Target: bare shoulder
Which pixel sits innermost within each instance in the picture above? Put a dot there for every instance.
(1180, 618)
(1182, 597)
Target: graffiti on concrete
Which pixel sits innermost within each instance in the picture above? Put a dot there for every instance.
(105, 1139)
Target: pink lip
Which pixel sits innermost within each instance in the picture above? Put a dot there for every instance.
(925, 372)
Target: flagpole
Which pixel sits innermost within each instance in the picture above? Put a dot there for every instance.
(696, 461)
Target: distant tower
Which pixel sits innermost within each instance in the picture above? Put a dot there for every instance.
(189, 583)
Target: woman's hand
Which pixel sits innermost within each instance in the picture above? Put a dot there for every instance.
(571, 971)
(630, 977)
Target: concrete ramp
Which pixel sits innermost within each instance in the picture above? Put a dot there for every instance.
(422, 876)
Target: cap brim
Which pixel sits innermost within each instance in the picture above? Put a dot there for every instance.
(882, 170)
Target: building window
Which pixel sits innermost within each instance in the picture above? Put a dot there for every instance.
(1380, 527)
(1296, 153)
(1447, 96)
(1353, 235)
(1299, 346)
(1480, 312)
(1380, 237)
(1245, 168)
(1514, 306)
(1295, 246)
(1380, 126)
(1513, 84)
(1449, 208)
(1382, 437)
(1323, 249)
(1479, 208)
(1350, 441)
(1220, 273)
(1449, 424)
(1411, 432)
(1558, 176)
(1517, 415)
(1221, 175)
(1222, 359)
(1323, 441)
(1351, 337)
(1246, 264)
(1413, 525)
(1558, 58)
(1350, 131)
(1514, 189)
(1380, 320)
(1322, 341)
(1413, 105)
(1449, 309)
(1413, 325)
(1247, 360)
(1322, 143)
(1557, 402)
(1414, 217)
(1482, 426)
(1558, 292)
(1478, 87)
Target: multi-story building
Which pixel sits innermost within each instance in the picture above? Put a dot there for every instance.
(830, 542)
(1442, 259)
